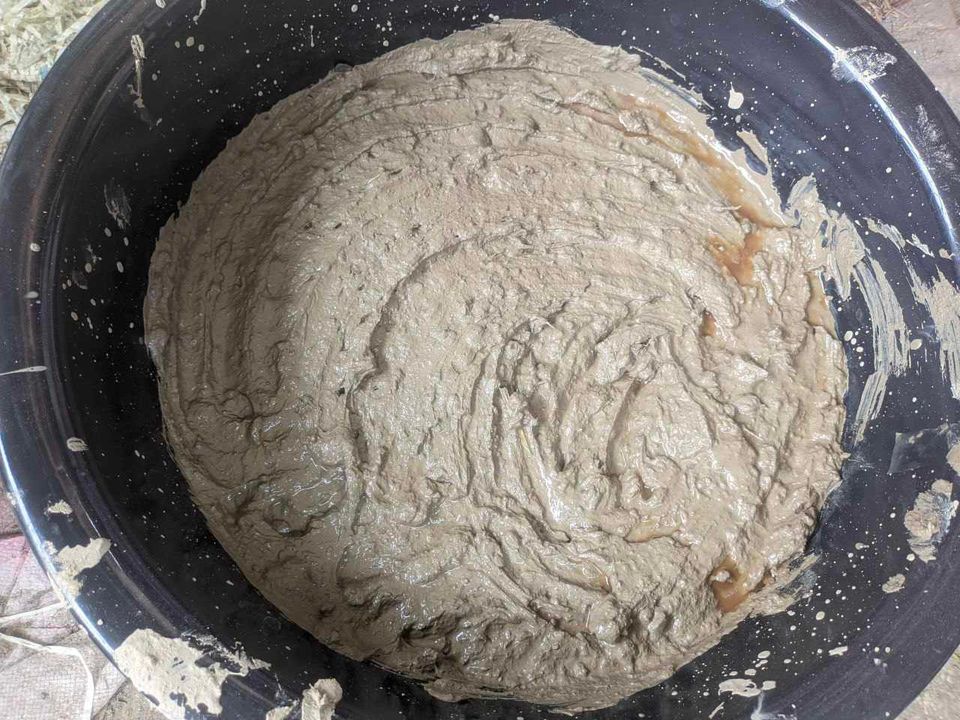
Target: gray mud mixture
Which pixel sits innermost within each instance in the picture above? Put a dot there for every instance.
(486, 365)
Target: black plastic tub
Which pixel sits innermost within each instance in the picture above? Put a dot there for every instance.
(102, 159)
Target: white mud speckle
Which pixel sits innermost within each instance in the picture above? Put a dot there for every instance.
(61, 507)
(931, 142)
(863, 63)
(318, 703)
(953, 458)
(139, 55)
(181, 675)
(75, 444)
(735, 99)
(30, 369)
(73, 560)
(894, 584)
(744, 687)
(320, 699)
(928, 521)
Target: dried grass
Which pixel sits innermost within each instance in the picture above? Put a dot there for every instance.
(881, 9)
(32, 35)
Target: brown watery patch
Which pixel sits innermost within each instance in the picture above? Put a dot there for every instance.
(708, 325)
(726, 176)
(729, 586)
(738, 260)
